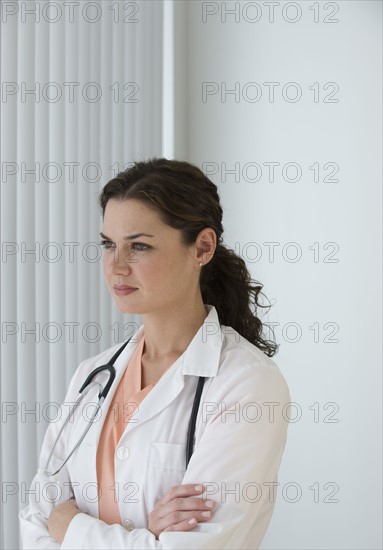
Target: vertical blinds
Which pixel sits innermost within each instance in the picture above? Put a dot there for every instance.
(81, 97)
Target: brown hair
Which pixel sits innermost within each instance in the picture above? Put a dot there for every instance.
(187, 200)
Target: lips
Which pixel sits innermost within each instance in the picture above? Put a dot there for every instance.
(124, 287)
(123, 290)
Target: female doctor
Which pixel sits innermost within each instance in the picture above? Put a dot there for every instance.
(127, 484)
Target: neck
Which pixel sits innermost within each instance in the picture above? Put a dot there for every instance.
(168, 333)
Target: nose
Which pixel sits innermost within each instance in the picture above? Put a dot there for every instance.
(122, 260)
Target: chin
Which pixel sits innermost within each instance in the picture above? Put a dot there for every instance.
(126, 307)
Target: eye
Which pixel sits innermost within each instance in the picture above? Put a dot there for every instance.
(106, 244)
(140, 246)
(136, 247)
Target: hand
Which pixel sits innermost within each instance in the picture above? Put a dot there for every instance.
(178, 511)
(60, 518)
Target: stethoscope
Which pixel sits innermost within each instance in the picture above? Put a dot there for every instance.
(103, 392)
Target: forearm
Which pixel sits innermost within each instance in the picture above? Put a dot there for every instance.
(85, 531)
(34, 531)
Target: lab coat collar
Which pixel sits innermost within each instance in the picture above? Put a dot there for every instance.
(201, 357)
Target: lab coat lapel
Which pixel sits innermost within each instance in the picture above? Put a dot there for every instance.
(164, 392)
(120, 366)
(87, 452)
(201, 358)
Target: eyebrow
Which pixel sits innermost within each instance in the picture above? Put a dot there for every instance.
(128, 237)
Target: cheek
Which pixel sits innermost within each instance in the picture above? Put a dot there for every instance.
(156, 274)
(176, 272)
(106, 264)
(152, 273)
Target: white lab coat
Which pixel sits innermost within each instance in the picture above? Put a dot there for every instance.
(239, 443)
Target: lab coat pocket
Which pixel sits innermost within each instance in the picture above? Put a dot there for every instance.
(166, 466)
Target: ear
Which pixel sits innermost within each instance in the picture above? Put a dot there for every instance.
(206, 243)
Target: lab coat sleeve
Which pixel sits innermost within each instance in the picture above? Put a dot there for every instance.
(34, 518)
(237, 458)
(47, 492)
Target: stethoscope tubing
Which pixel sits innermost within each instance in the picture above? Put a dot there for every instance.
(193, 419)
(71, 412)
(89, 383)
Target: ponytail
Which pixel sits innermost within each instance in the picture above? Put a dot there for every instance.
(227, 285)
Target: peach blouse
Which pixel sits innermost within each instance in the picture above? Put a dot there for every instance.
(126, 399)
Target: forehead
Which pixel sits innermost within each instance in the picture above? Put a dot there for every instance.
(129, 211)
(130, 216)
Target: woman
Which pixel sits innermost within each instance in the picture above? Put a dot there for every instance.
(127, 484)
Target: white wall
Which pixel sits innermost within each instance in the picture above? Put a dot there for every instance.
(331, 296)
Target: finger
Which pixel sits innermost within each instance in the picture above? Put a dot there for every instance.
(186, 490)
(72, 502)
(185, 504)
(188, 523)
(183, 526)
(175, 518)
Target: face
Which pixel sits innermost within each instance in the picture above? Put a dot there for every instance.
(142, 252)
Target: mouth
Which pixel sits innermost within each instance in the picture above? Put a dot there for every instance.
(124, 287)
(123, 290)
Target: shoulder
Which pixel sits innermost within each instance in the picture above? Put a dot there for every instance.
(235, 348)
(247, 370)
